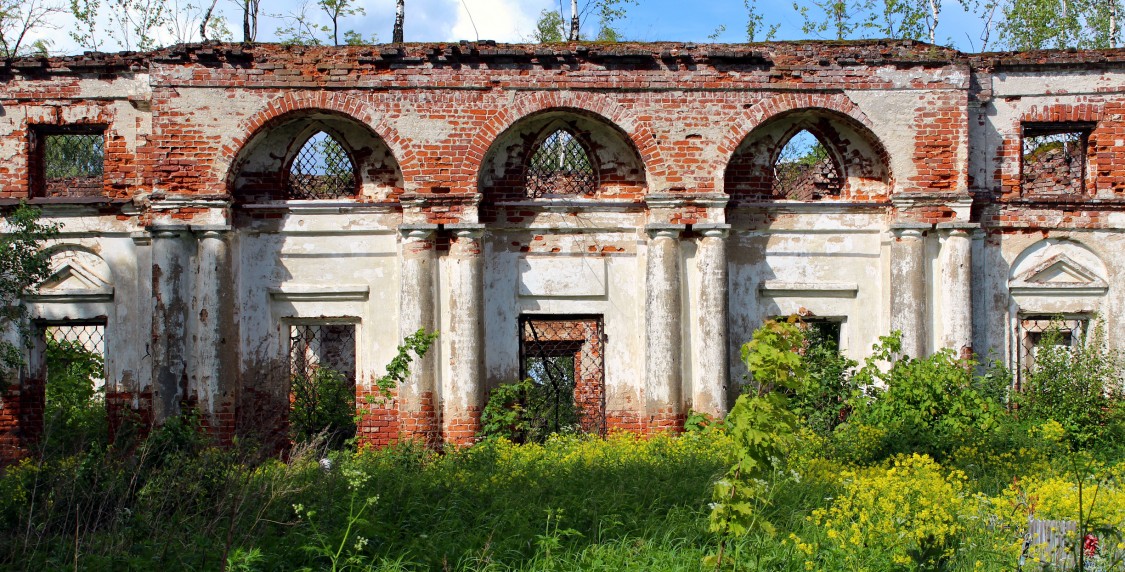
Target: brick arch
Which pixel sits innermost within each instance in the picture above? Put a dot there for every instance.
(290, 104)
(833, 105)
(602, 107)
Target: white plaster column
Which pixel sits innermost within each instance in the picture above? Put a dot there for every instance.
(212, 351)
(956, 285)
(711, 361)
(462, 398)
(908, 285)
(663, 338)
(170, 263)
(416, 305)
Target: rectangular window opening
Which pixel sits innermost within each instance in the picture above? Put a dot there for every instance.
(1054, 158)
(1037, 332)
(820, 330)
(563, 357)
(322, 366)
(69, 162)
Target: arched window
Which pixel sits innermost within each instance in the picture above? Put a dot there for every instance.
(560, 166)
(321, 169)
(805, 170)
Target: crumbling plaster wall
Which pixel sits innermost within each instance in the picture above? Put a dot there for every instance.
(210, 268)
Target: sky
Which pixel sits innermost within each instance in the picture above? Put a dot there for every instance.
(514, 21)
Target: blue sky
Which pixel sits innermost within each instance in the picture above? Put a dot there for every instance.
(514, 20)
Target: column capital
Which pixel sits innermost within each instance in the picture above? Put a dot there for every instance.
(466, 230)
(958, 229)
(214, 232)
(168, 230)
(660, 230)
(425, 231)
(712, 230)
(909, 229)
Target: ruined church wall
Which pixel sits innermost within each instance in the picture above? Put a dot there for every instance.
(682, 250)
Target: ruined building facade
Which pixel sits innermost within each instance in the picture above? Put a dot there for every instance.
(234, 213)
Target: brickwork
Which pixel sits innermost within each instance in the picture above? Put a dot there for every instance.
(926, 146)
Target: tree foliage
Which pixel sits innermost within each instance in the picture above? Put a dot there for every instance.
(23, 265)
(1046, 24)
(74, 414)
(307, 25)
(21, 18)
(558, 26)
(132, 24)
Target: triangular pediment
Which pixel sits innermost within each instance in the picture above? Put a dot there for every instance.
(73, 277)
(1059, 271)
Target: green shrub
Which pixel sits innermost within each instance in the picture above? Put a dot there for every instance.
(74, 415)
(823, 401)
(1079, 387)
(529, 412)
(323, 403)
(927, 405)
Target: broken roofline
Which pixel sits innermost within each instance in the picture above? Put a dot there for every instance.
(624, 55)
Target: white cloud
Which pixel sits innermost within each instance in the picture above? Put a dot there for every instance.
(500, 20)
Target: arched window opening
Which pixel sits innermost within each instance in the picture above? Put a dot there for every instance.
(321, 170)
(805, 170)
(560, 166)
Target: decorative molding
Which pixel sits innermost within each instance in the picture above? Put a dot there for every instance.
(781, 289)
(320, 292)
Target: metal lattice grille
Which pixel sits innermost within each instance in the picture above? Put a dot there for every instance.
(1053, 162)
(1035, 331)
(322, 346)
(89, 337)
(560, 166)
(73, 164)
(805, 171)
(322, 169)
(322, 382)
(564, 357)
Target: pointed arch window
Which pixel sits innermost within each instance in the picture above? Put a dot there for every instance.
(560, 165)
(322, 169)
(805, 169)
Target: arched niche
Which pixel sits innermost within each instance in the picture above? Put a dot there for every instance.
(1058, 276)
(269, 166)
(79, 286)
(617, 170)
(853, 165)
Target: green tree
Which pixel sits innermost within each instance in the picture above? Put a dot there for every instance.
(841, 19)
(133, 24)
(304, 28)
(755, 23)
(1046, 24)
(190, 22)
(548, 28)
(18, 18)
(552, 25)
(23, 265)
(847, 19)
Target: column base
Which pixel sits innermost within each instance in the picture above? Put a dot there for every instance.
(463, 430)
